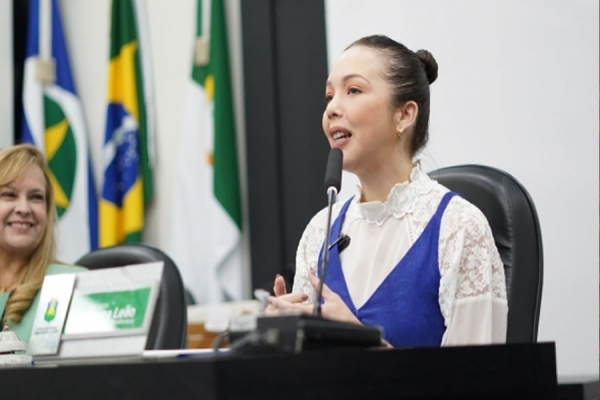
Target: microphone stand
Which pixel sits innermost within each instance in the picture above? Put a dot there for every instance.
(331, 197)
(298, 333)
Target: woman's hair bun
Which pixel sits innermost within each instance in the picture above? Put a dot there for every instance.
(431, 66)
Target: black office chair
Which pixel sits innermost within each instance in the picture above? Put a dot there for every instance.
(169, 323)
(516, 229)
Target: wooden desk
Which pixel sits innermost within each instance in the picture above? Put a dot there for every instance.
(199, 338)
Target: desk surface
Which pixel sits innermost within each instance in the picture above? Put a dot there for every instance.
(578, 387)
(525, 371)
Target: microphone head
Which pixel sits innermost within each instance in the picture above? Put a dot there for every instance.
(333, 173)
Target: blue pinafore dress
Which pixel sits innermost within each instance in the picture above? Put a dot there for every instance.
(406, 303)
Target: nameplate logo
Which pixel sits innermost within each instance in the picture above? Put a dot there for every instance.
(51, 310)
(51, 314)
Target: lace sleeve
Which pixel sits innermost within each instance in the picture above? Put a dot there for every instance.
(309, 246)
(472, 292)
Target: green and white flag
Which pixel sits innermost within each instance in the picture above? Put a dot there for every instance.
(206, 218)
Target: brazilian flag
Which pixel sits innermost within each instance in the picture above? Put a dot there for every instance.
(127, 185)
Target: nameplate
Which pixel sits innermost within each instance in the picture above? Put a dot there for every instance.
(108, 313)
(51, 314)
(114, 302)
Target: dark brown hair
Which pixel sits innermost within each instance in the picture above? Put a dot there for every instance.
(409, 74)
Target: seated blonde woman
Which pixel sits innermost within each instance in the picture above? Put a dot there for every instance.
(27, 248)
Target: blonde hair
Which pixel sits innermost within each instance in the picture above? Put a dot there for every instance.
(13, 163)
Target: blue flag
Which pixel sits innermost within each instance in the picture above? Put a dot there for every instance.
(53, 120)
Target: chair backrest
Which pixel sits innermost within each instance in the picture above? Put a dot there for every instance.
(169, 323)
(516, 229)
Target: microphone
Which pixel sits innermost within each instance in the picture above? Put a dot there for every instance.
(333, 183)
(333, 172)
(341, 242)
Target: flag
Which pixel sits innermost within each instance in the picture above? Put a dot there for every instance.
(53, 120)
(206, 217)
(127, 185)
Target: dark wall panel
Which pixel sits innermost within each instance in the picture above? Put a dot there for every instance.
(20, 13)
(285, 69)
(301, 49)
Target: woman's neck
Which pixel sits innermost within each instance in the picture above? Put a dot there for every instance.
(377, 184)
(10, 270)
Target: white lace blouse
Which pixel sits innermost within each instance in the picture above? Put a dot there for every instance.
(472, 292)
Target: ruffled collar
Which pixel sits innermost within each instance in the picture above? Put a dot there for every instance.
(400, 201)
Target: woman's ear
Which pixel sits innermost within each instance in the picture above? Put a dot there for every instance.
(406, 115)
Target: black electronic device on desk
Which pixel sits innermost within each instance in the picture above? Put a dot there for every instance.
(298, 333)
(302, 333)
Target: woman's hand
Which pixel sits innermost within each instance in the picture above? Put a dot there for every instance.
(279, 286)
(281, 293)
(332, 308)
